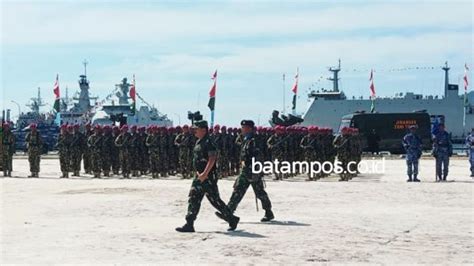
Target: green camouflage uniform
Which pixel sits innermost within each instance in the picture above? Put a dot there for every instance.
(106, 151)
(204, 149)
(246, 178)
(163, 163)
(95, 145)
(115, 155)
(78, 142)
(277, 145)
(86, 156)
(184, 142)
(343, 146)
(64, 148)
(8, 148)
(34, 145)
(122, 142)
(154, 152)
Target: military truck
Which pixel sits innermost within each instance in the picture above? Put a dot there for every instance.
(388, 129)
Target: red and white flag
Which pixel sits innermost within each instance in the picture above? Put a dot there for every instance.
(372, 86)
(466, 82)
(295, 86)
(56, 92)
(56, 87)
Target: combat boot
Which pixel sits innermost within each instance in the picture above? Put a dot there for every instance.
(234, 220)
(5, 173)
(409, 179)
(268, 216)
(9, 173)
(415, 179)
(188, 227)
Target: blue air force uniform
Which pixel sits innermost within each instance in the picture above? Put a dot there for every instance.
(470, 150)
(442, 150)
(413, 147)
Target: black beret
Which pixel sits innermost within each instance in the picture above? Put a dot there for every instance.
(200, 124)
(249, 123)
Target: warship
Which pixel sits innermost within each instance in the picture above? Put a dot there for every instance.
(327, 107)
(46, 125)
(120, 109)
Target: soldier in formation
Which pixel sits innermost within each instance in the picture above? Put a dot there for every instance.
(470, 150)
(64, 150)
(34, 146)
(8, 148)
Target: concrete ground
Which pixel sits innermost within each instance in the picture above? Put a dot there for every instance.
(374, 218)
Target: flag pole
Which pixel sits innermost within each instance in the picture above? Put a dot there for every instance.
(283, 109)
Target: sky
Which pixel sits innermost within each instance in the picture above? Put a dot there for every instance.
(173, 48)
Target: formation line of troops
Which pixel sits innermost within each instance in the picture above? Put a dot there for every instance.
(163, 151)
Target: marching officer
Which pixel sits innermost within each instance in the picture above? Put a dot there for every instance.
(205, 180)
(247, 178)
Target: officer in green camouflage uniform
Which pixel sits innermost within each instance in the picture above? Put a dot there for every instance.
(163, 144)
(77, 146)
(311, 148)
(247, 178)
(205, 181)
(64, 150)
(133, 151)
(277, 144)
(106, 150)
(114, 151)
(144, 158)
(343, 146)
(172, 152)
(8, 148)
(95, 143)
(34, 145)
(123, 142)
(235, 152)
(152, 143)
(184, 142)
(86, 156)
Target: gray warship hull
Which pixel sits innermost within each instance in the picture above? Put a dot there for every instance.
(327, 107)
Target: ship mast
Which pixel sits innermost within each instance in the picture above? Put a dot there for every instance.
(335, 78)
(446, 78)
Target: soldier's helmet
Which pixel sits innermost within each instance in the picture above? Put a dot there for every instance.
(178, 127)
(76, 126)
(97, 128)
(33, 125)
(185, 126)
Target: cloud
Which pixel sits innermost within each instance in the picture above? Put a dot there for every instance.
(72, 23)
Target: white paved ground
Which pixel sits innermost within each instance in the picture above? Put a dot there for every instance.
(371, 219)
